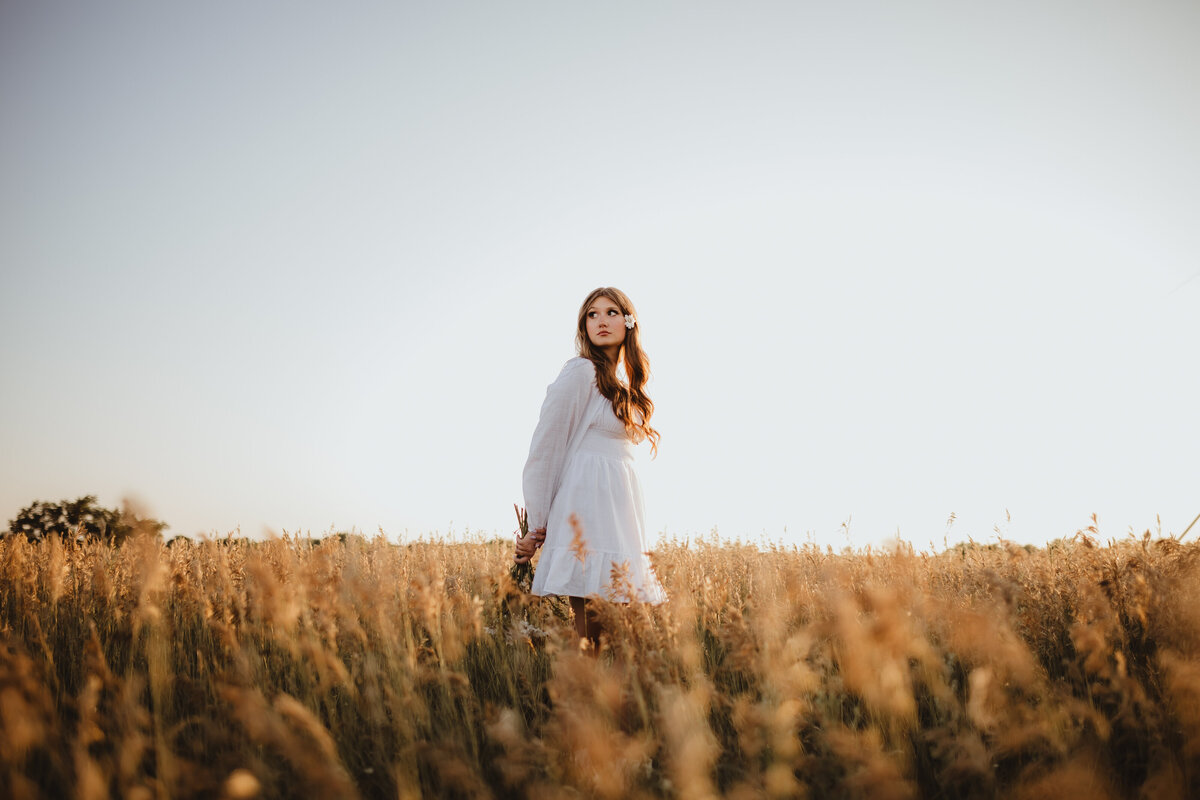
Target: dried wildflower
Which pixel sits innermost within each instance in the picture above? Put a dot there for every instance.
(522, 572)
(578, 543)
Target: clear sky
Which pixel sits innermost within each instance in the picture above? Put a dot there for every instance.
(310, 266)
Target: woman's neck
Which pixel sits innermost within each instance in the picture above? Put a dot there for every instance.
(612, 353)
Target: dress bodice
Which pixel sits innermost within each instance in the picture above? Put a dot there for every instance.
(606, 424)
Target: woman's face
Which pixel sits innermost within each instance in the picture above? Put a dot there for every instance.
(605, 324)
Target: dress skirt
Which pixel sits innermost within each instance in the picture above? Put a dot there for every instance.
(600, 489)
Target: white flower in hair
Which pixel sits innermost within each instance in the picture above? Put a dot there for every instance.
(630, 321)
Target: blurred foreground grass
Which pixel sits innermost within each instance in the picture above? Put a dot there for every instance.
(363, 669)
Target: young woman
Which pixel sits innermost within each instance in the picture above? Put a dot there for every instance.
(581, 491)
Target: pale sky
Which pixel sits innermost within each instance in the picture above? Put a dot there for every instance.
(310, 266)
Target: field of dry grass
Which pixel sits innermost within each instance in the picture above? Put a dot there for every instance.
(363, 669)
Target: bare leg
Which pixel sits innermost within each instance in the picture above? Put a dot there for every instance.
(587, 626)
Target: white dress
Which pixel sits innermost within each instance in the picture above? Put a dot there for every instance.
(581, 464)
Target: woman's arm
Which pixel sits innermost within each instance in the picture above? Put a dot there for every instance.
(562, 412)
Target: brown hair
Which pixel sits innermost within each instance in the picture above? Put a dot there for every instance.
(629, 402)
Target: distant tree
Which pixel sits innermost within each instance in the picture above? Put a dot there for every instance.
(81, 520)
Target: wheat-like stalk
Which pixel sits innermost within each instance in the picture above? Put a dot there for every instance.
(522, 573)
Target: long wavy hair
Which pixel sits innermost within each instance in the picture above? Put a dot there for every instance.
(629, 400)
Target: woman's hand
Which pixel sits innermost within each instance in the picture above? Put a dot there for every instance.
(528, 545)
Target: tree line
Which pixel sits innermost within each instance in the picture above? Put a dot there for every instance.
(81, 520)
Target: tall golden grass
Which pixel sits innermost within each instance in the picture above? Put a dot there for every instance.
(364, 669)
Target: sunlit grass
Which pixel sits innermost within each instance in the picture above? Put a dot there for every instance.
(362, 668)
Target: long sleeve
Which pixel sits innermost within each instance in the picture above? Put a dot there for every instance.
(563, 411)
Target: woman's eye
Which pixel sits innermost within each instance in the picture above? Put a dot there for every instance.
(612, 312)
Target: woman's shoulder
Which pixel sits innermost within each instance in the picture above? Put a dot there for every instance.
(577, 372)
(579, 364)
